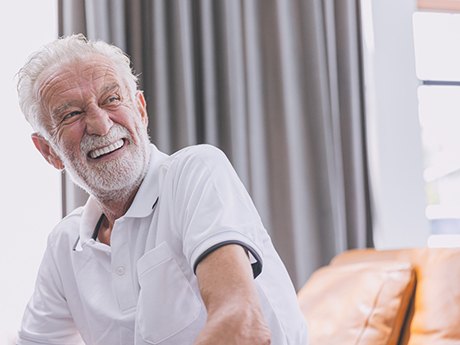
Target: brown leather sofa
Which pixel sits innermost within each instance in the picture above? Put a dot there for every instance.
(394, 297)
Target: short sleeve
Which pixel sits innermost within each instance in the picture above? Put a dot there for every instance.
(212, 207)
(47, 319)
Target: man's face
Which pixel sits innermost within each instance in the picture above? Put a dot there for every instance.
(96, 127)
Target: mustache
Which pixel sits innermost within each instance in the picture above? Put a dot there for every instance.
(91, 142)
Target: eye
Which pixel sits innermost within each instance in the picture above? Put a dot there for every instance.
(71, 115)
(112, 99)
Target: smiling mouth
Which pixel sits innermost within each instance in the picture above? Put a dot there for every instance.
(103, 151)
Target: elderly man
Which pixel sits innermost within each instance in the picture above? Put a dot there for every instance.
(167, 249)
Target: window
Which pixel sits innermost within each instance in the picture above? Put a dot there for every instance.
(392, 125)
(437, 56)
(30, 189)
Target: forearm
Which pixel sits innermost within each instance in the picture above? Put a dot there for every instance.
(235, 326)
(231, 299)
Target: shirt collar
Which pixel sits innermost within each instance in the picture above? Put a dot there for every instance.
(142, 204)
(149, 189)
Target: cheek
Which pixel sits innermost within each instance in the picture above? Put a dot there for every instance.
(131, 120)
(70, 137)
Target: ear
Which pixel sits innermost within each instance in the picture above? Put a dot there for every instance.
(142, 106)
(47, 152)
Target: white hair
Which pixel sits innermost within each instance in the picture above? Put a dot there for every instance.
(60, 52)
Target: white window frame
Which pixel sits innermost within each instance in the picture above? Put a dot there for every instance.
(394, 137)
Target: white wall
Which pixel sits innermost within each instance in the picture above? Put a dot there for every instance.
(30, 189)
(395, 150)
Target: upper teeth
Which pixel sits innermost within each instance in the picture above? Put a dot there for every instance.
(104, 150)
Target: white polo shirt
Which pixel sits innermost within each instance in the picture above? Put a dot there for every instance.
(142, 289)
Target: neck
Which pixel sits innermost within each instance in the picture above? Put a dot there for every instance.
(115, 204)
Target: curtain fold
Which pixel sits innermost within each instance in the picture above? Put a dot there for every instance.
(276, 84)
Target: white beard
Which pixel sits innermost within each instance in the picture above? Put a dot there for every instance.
(113, 179)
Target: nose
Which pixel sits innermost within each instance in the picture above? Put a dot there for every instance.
(98, 121)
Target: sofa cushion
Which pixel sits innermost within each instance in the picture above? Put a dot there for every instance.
(436, 315)
(360, 304)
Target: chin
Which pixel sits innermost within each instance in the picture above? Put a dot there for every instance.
(115, 179)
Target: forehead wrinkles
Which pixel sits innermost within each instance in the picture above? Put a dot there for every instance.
(92, 73)
(56, 81)
(88, 77)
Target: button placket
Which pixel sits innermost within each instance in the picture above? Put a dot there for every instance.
(121, 271)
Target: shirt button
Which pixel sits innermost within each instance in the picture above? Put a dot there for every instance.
(120, 270)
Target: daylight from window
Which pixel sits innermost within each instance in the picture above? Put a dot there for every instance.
(30, 189)
(437, 56)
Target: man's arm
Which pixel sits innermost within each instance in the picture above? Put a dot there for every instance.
(227, 287)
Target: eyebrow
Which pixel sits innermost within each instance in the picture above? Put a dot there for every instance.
(60, 109)
(110, 87)
(106, 88)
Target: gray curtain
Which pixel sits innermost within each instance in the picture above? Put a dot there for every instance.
(276, 84)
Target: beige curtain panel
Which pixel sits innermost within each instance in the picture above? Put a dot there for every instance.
(276, 84)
